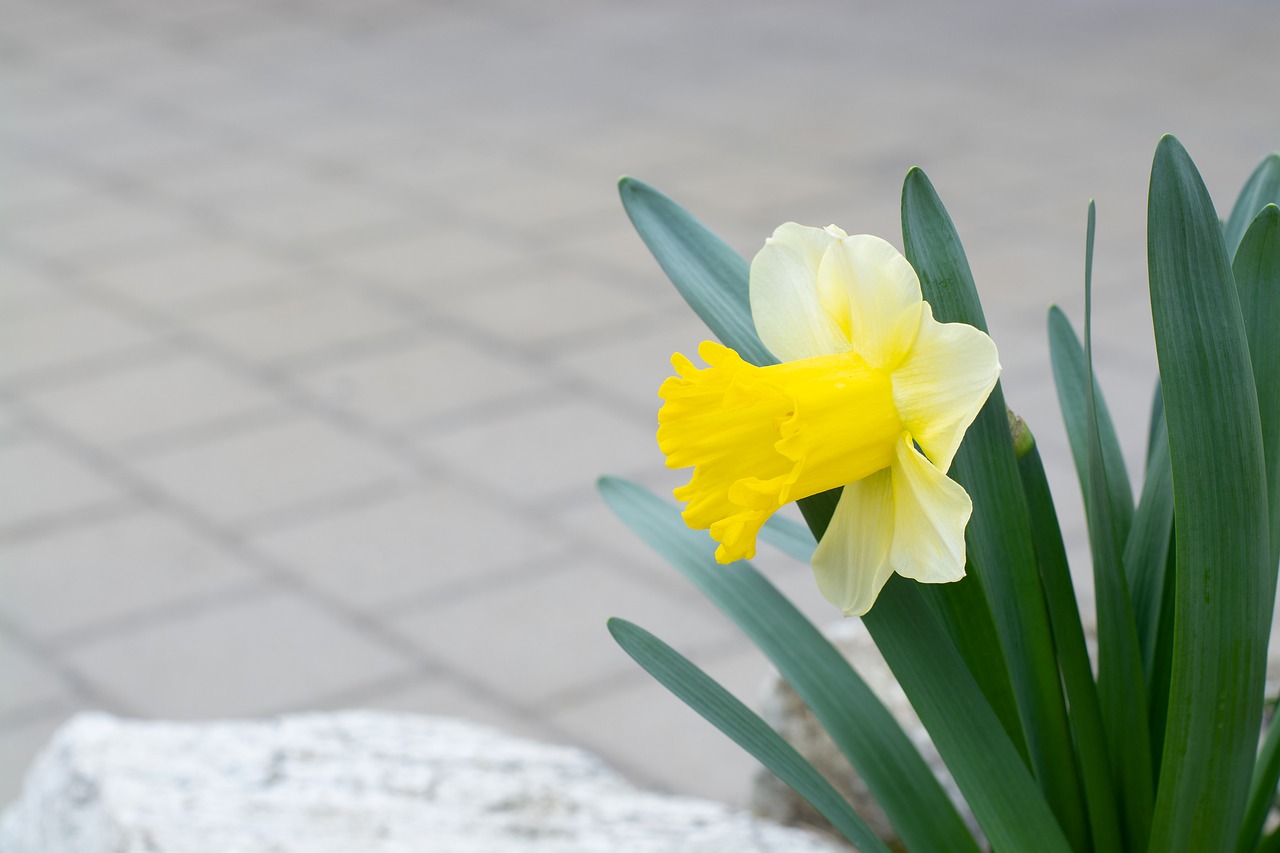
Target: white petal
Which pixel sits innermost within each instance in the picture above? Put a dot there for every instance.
(851, 563)
(942, 384)
(930, 511)
(874, 295)
(784, 294)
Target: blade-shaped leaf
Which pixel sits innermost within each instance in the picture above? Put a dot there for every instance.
(1262, 188)
(1085, 712)
(855, 718)
(1257, 275)
(703, 694)
(999, 535)
(709, 274)
(1220, 503)
(1070, 374)
(1122, 691)
(789, 537)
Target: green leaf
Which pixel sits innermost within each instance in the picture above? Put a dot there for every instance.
(1257, 275)
(709, 274)
(1262, 188)
(984, 762)
(1215, 446)
(1147, 547)
(704, 695)
(1085, 713)
(1070, 374)
(1121, 681)
(999, 535)
(855, 718)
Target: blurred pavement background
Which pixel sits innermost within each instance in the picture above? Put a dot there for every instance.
(319, 318)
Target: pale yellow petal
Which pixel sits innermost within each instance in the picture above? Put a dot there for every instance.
(930, 511)
(942, 384)
(873, 294)
(784, 294)
(852, 563)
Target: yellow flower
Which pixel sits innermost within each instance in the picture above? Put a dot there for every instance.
(873, 394)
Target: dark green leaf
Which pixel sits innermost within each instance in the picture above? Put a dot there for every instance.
(1222, 612)
(857, 721)
(1070, 374)
(1085, 713)
(999, 535)
(704, 695)
(1122, 685)
(1262, 188)
(710, 275)
(789, 537)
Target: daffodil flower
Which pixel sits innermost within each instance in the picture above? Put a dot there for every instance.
(872, 394)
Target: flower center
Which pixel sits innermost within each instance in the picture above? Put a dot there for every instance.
(760, 437)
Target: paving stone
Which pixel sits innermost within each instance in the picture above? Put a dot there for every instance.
(298, 323)
(129, 406)
(554, 304)
(312, 217)
(419, 381)
(434, 259)
(28, 681)
(547, 451)
(101, 573)
(414, 544)
(63, 332)
(43, 483)
(190, 276)
(19, 745)
(652, 736)
(78, 235)
(534, 640)
(442, 696)
(278, 467)
(269, 654)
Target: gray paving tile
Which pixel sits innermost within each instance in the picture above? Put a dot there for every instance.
(439, 259)
(556, 448)
(267, 470)
(533, 640)
(550, 305)
(441, 696)
(270, 654)
(311, 217)
(63, 332)
(186, 277)
(43, 483)
(652, 736)
(101, 573)
(19, 746)
(127, 407)
(431, 538)
(75, 234)
(299, 323)
(28, 681)
(419, 381)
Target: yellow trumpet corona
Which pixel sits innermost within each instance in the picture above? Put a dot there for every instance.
(872, 394)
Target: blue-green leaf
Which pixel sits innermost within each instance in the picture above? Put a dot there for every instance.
(709, 274)
(857, 721)
(1070, 374)
(999, 535)
(1262, 188)
(703, 694)
(1222, 612)
(1121, 681)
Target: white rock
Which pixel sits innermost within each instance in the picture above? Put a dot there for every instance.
(356, 782)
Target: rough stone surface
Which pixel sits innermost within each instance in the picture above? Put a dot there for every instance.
(356, 781)
(784, 710)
